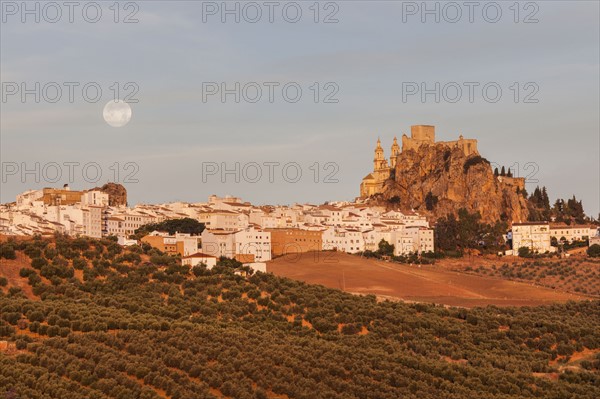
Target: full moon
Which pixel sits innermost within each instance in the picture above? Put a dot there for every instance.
(117, 113)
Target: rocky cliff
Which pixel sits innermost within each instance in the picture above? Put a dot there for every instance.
(117, 194)
(436, 180)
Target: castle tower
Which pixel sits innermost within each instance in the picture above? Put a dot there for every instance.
(395, 152)
(379, 162)
(423, 133)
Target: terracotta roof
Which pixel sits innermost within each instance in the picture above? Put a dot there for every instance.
(223, 232)
(199, 255)
(219, 211)
(329, 208)
(574, 226)
(237, 204)
(530, 223)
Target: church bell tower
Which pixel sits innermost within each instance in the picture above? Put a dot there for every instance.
(379, 163)
(395, 152)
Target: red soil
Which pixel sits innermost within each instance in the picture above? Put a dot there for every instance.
(412, 283)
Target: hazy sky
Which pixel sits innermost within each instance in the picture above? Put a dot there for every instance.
(367, 61)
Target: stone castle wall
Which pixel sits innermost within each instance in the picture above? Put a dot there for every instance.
(516, 182)
(420, 135)
(425, 134)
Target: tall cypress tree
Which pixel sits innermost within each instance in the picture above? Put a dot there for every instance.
(545, 198)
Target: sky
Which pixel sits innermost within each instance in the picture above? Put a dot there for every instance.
(283, 102)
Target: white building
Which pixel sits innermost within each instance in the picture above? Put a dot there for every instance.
(124, 222)
(248, 244)
(92, 221)
(199, 258)
(373, 237)
(218, 243)
(126, 242)
(223, 220)
(96, 198)
(254, 242)
(345, 240)
(532, 235)
(573, 232)
(413, 239)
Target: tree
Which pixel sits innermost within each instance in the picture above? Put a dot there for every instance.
(394, 200)
(594, 251)
(474, 160)
(430, 201)
(524, 252)
(503, 172)
(446, 233)
(385, 248)
(496, 173)
(469, 228)
(184, 225)
(575, 210)
(539, 198)
(7, 251)
(38, 263)
(545, 199)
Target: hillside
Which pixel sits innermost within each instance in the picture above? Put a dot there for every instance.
(452, 181)
(428, 283)
(106, 322)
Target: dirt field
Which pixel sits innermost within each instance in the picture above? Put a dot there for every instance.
(411, 283)
(10, 269)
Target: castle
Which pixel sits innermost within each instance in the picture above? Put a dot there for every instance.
(420, 135)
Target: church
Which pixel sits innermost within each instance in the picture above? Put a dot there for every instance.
(420, 135)
(382, 169)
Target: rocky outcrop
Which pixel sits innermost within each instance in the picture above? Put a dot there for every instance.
(437, 180)
(117, 194)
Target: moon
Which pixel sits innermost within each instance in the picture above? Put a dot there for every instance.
(117, 113)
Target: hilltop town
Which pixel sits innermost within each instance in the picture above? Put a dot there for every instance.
(240, 230)
(401, 202)
(231, 224)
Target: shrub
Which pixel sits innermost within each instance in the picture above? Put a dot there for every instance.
(79, 263)
(25, 272)
(32, 251)
(524, 252)
(474, 161)
(594, 251)
(38, 263)
(7, 251)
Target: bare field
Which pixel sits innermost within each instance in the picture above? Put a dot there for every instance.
(412, 283)
(9, 268)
